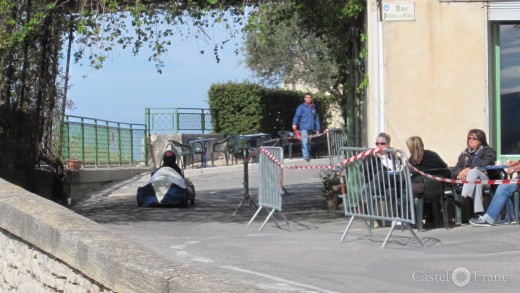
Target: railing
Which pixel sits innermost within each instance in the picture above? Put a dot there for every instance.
(161, 120)
(100, 142)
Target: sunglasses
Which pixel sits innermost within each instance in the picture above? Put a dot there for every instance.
(380, 143)
(472, 138)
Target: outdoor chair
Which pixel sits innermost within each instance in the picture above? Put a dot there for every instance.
(319, 145)
(487, 191)
(433, 192)
(196, 147)
(222, 146)
(237, 149)
(263, 140)
(275, 142)
(182, 151)
(289, 140)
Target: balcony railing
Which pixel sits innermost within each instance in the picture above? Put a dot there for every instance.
(178, 120)
(99, 142)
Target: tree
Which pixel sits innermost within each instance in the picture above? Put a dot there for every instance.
(37, 35)
(33, 84)
(284, 53)
(316, 43)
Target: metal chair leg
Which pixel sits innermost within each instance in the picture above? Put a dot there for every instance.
(419, 208)
(517, 204)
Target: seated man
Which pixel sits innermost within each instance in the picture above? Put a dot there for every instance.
(503, 193)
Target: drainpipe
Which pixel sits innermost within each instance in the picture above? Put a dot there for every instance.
(379, 69)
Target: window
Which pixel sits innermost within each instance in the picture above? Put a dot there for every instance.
(507, 87)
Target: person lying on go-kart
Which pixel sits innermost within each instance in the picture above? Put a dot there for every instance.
(167, 185)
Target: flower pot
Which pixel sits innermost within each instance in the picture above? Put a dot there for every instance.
(73, 164)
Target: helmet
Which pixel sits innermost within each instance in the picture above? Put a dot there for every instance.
(169, 158)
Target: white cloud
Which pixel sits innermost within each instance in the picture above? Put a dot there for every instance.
(509, 90)
(512, 72)
(512, 50)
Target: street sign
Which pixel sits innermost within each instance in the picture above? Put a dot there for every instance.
(398, 11)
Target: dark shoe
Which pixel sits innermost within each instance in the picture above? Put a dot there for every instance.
(480, 221)
(307, 159)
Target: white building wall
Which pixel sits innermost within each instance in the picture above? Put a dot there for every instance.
(432, 78)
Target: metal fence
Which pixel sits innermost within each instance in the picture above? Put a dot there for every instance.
(336, 138)
(376, 185)
(270, 189)
(99, 142)
(159, 120)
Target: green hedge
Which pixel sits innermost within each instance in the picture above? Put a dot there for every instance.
(238, 108)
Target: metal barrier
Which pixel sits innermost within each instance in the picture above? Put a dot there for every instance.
(178, 119)
(271, 183)
(336, 138)
(102, 142)
(376, 185)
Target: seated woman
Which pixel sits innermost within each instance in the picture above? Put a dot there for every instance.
(426, 161)
(376, 167)
(477, 154)
(422, 159)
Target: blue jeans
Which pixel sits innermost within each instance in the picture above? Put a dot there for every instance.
(306, 143)
(502, 195)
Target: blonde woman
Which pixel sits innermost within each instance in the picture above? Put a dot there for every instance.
(422, 159)
(429, 162)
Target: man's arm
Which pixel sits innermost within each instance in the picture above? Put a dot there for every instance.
(514, 166)
(297, 116)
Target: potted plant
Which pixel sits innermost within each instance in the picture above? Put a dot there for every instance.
(331, 186)
(73, 164)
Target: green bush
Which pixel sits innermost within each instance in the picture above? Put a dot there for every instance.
(250, 108)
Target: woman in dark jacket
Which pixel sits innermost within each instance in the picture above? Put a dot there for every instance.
(478, 154)
(422, 159)
(429, 162)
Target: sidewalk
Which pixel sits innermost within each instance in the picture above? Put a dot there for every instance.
(307, 257)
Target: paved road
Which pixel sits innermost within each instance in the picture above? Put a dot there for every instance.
(308, 257)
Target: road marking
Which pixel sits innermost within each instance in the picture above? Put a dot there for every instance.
(310, 287)
(201, 259)
(182, 253)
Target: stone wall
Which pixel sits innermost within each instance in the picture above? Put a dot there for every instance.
(25, 268)
(45, 247)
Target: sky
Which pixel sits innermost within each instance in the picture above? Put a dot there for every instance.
(510, 60)
(128, 84)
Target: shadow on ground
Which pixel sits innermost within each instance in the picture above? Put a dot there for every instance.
(303, 203)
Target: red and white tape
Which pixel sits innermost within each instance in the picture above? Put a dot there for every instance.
(307, 167)
(457, 181)
(378, 150)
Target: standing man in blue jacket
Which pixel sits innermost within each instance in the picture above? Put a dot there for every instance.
(306, 118)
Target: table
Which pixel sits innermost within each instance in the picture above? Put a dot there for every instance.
(501, 168)
(250, 139)
(496, 167)
(204, 146)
